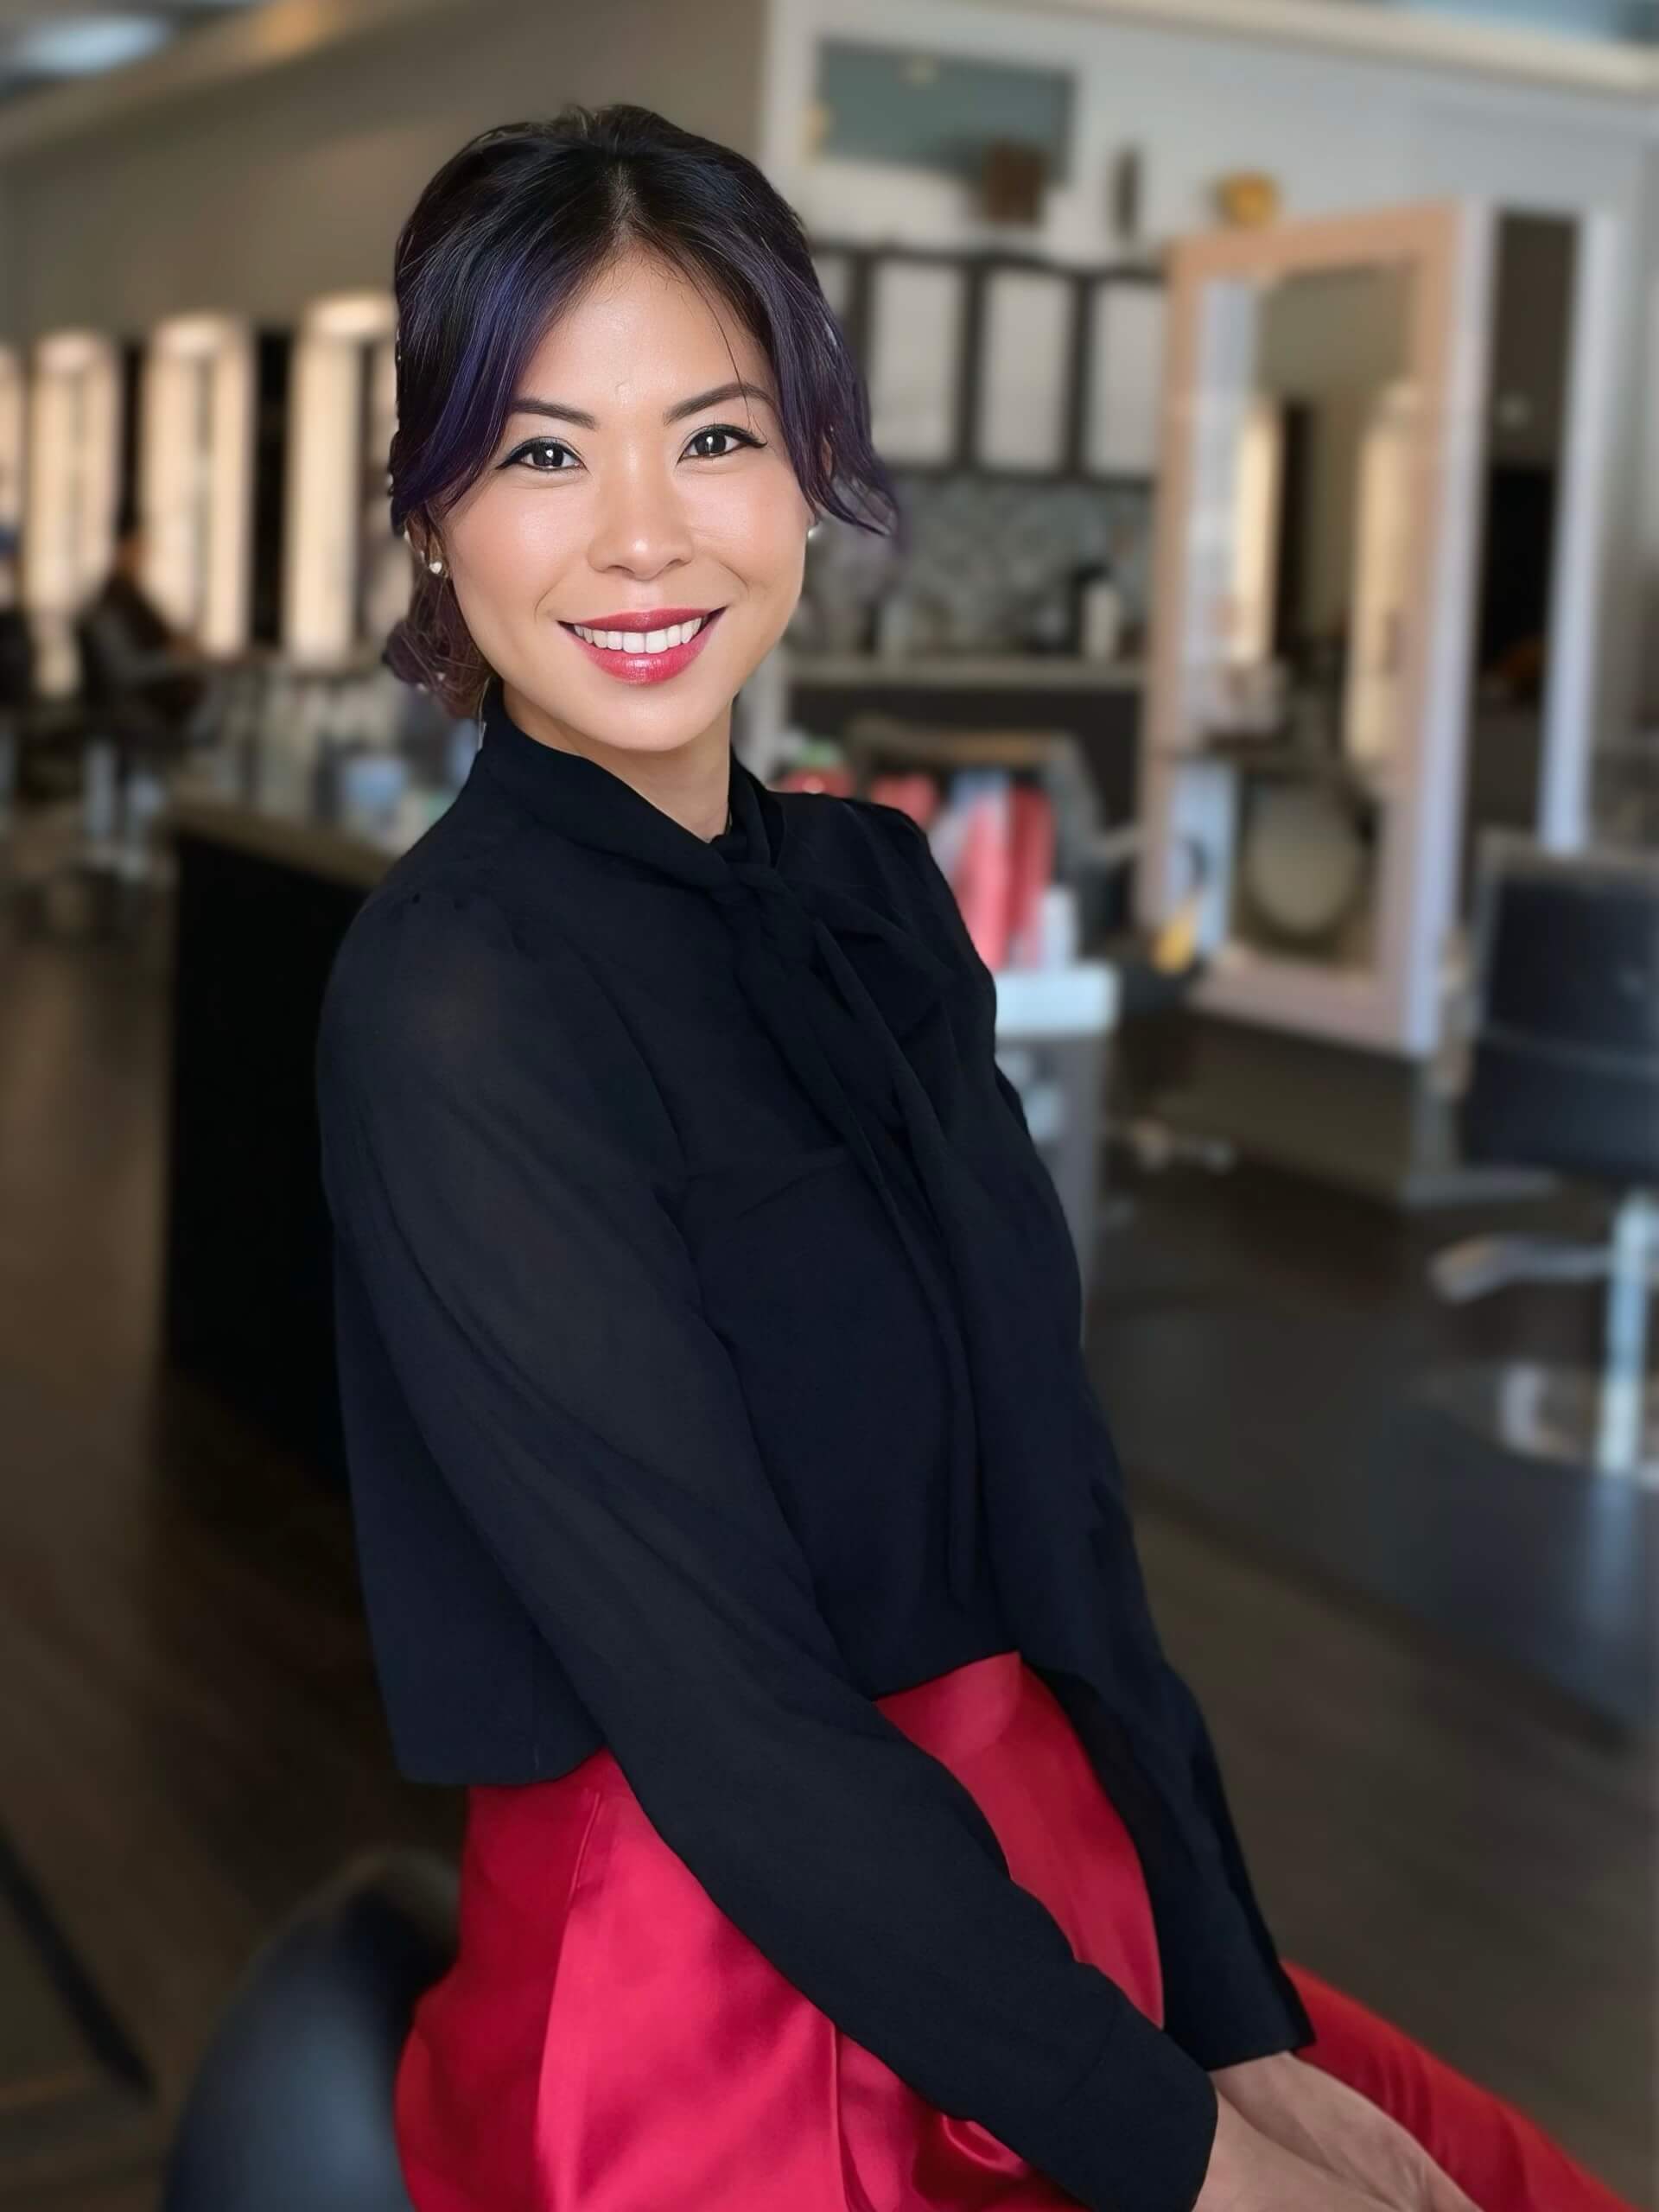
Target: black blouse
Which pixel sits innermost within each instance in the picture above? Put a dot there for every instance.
(709, 1334)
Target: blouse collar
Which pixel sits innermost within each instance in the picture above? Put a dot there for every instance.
(593, 806)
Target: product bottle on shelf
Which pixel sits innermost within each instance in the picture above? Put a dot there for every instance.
(1098, 606)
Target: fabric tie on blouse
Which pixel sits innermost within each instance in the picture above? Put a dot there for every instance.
(848, 1056)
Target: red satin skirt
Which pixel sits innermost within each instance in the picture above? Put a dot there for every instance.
(607, 2040)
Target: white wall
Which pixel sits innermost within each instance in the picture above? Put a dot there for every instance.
(257, 197)
(1339, 130)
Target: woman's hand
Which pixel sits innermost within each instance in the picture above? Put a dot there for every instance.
(1325, 2123)
(1249, 2172)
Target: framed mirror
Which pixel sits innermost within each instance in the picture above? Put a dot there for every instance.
(346, 575)
(1306, 716)
(72, 460)
(14, 393)
(195, 474)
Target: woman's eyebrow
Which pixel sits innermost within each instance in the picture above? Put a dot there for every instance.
(526, 404)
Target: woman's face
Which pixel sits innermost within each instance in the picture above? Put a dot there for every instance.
(632, 488)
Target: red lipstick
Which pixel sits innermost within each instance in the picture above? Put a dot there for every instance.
(643, 667)
(644, 618)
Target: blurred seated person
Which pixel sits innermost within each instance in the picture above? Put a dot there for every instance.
(16, 639)
(134, 652)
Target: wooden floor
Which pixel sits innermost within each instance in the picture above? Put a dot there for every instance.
(189, 1737)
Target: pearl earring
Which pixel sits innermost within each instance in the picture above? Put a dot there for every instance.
(437, 567)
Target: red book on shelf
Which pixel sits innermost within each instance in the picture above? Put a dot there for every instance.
(980, 880)
(1031, 870)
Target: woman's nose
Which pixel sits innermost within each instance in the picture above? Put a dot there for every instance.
(640, 523)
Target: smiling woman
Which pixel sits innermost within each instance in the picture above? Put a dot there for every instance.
(735, 1518)
(616, 427)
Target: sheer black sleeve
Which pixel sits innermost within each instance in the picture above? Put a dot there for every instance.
(541, 1311)
(1226, 1995)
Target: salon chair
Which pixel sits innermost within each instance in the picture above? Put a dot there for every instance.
(1565, 1076)
(137, 718)
(291, 2108)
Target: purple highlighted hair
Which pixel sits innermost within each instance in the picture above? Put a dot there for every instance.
(508, 233)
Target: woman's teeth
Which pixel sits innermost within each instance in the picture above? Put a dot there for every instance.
(642, 641)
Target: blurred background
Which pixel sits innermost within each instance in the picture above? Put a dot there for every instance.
(1271, 655)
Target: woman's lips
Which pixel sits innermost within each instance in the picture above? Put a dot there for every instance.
(645, 668)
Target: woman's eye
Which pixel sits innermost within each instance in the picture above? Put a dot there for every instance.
(543, 446)
(720, 430)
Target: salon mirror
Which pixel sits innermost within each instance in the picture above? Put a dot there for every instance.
(1312, 613)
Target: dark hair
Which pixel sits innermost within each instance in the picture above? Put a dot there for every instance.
(507, 234)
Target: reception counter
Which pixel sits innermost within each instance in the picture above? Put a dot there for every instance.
(287, 838)
(265, 893)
